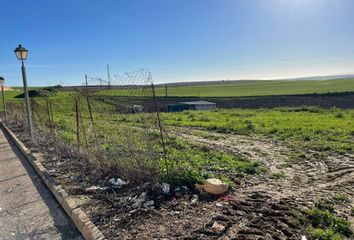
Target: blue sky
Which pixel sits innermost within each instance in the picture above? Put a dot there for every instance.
(178, 40)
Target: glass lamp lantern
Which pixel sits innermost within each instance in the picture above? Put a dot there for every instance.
(21, 53)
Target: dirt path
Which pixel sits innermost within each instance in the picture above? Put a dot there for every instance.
(27, 208)
(268, 201)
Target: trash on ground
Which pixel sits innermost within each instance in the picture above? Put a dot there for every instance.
(149, 204)
(95, 188)
(165, 187)
(229, 198)
(138, 201)
(194, 199)
(117, 183)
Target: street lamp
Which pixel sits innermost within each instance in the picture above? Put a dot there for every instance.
(2, 81)
(21, 54)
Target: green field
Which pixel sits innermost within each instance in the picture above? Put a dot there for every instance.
(302, 128)
(260, 88)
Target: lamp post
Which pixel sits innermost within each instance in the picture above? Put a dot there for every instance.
(21, 54)
(2, 81)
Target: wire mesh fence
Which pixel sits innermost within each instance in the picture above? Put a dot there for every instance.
(115, 124)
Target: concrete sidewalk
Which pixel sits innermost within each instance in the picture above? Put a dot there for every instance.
(27, 208)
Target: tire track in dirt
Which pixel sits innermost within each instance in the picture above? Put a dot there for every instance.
(271, 208)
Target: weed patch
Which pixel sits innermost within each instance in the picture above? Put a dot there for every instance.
(324, 224)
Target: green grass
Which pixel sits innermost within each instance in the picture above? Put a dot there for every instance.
(324, 224)
(118, 134)
(252, 88)
(192, 164)
(304, 128)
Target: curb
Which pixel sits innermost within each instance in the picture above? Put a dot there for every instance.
(82, 222)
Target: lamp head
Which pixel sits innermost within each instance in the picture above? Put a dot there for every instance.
(21, 53)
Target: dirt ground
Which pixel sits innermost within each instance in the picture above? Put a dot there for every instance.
(269, 205)
(260, 207)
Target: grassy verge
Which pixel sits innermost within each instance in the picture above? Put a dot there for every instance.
(306, 128)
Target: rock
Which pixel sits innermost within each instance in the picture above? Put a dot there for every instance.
(198, 187)
(219, 205)
(217, 227)
(215, 186)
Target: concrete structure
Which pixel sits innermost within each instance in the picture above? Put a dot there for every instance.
(195, 105)
(201, 105)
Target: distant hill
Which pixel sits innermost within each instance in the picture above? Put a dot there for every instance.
(195, 83)
(256, 87)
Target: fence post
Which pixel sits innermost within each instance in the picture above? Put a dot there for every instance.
(48, 112)
(77, 122)
(160, 128)
(90, 112)
(51, 112)
(4, 102)
(83, 126)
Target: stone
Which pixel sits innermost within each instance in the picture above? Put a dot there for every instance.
(194, 200)
(219, 205)
(217, 227)
(198, 187)
(215, 186)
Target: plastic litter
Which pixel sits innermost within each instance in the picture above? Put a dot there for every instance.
(117, 183)
(95, 188)
(165, 187)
